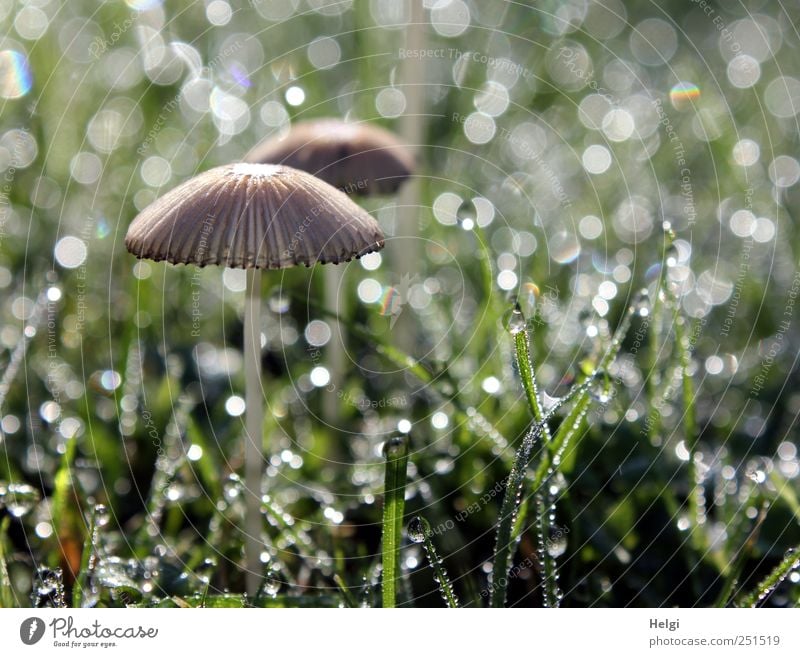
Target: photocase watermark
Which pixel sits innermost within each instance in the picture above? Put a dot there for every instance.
(300, 231)
(365, 403)
(170, 106)
(570, 59)
(744, 270)
(81, 278)
(355, 186)
(101, 44)
(529, 152)
(31, 630)
(777, 342)
(498, 64)
(657, 408)
(158, 124)
(8, 181)
(66, 633)
(362, 402)
(719, 23)
(202, 246)
(315, 212)
(679, 154)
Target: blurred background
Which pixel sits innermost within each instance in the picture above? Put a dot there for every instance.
(569, 154)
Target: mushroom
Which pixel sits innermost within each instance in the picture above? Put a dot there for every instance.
(358, 158)
(253, 216)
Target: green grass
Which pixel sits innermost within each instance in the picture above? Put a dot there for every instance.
(669, 457)
(396, 454)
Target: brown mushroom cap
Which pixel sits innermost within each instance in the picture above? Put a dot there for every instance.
(355, 157)
(253, 215)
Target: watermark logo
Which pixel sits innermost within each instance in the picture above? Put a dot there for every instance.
(31, 631)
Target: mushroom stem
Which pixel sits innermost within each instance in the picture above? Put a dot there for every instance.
(254, 422)
(336, 347)
(413, 129)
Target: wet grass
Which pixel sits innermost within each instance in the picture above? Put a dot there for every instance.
(561, 447)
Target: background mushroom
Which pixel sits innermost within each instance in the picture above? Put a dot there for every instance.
(358, 158)
(253, 216)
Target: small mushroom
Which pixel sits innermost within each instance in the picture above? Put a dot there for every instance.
(358, 158)
(253, 216)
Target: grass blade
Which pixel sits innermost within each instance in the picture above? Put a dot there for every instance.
(419, 531)
(525, 365)
(6, 592)
(396, 452)
(86, 559)
(689, 429)
(574, 421)
(545, 518)
(508, 513)
(790, 562)
(512, 498)
(348, 598)
(735, 569)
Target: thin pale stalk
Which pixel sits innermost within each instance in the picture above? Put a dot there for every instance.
(396, 452)
(253, 446)
(336, 348)
(405, 248)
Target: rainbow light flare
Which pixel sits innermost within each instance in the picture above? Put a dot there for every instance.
(684, 93)
(15, 74)
(390, 301)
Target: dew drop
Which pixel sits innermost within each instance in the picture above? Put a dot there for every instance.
(516, 321)
(642, 304)
(232, 489)
(278, 303)
(272, 585)
(49, 588)
(19, 499)
(101, 515)
(395, 447)
(671, 255)
(417, 529)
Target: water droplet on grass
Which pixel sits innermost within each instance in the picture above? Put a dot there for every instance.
(516, 321)
(642, 303)
(395, 447)
(671, 255)
(48, 590)
(232, 489)
(101, 515)
(19, 499)
(417, 529)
